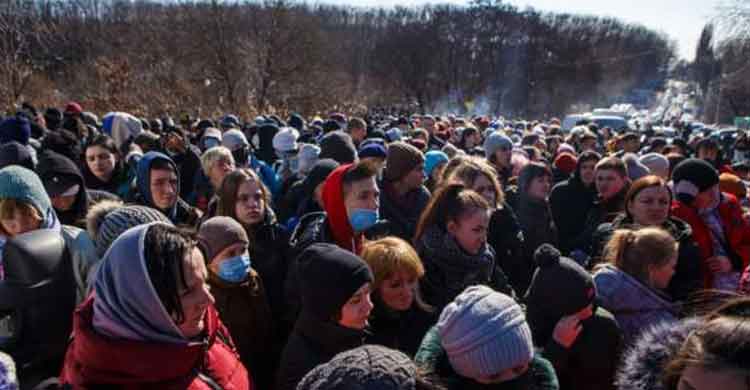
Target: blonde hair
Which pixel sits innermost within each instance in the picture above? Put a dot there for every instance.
(214, 155)
(9, 207)
(633, 251)
(470, 169)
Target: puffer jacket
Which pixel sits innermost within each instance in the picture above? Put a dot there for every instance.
(634, 305)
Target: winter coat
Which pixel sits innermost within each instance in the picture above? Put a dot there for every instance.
(643, 364)
(634, 305)
(312, 343)
(449, 269)
(402, 331)
(119, 184)
(209, 364)
(505, 236)
(736, 234)
(187, 163)
(538, 228)
(688, 276)
(247, 316)
(403, 213)
(603, 211)
(570, 202)
(432, 358)
(83, 256)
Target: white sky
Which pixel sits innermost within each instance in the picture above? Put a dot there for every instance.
(682, 20)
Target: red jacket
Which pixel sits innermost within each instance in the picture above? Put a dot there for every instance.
(736, 231)
(93, 359)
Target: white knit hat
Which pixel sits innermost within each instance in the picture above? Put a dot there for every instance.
(286, 139)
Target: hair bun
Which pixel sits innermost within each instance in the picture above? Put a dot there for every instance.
(546, 255)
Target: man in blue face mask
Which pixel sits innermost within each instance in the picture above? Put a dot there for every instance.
(240, 297)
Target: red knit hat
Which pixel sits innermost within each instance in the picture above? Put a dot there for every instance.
(73, 108)
(566, 162)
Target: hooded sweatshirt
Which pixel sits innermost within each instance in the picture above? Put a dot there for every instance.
(180, 213)
(126, 317)
(338, 219)
(54, 168)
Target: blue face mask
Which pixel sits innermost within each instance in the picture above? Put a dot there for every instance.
(363, 219)
(235, 269)
(209, 143)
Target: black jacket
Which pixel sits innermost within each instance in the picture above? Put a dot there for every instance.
(688, 277)
(603, 211)
(506, 238)
(52, 167)
(403, 214)
(188, 163)
(402, 331)
(538, 228)
(570, 202)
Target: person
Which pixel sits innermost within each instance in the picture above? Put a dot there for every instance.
(657, 163)
(400, 318)
(403, 196)
(104, 169)
(482, 340)
(351, 200)
(25, 207)
(185, 156)
(532, 209)
(239, 295)
(158, 187)
(505, 235)
(357, 129)
(435, 162)
(612, 183)
(632, 283)
(695, 353)
(236, 142)
(216, 163)
(648, 203)
(581, 340)
(335, 287)
(571, 200)
(451, 240)
(13, 153)
(305, 196)
(107, 220)
(722, 235)
(498, 149)
(338, 145)
(367, 367)
(243, 197)
(152, 305)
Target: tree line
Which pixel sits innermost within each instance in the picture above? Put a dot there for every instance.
(205, 57)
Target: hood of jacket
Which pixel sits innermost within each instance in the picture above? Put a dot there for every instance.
(53, 165)
(143, 179)
(619, 292)
(338, 219)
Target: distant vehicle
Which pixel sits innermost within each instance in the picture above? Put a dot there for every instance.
(572, 120)
(609, 112)
(616, 123)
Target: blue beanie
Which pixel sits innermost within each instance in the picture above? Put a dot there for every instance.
(23, 184)
(495, 141)
(373, 150)
(432, 159)
(15, 128)
(484, 332)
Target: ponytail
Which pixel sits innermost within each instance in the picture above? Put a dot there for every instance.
(451, 201)
(633, 251)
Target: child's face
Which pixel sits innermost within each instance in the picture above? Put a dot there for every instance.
(19, 224)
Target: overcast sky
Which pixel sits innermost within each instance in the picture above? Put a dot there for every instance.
(682, 20)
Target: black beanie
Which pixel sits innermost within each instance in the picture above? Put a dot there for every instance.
(560, 287)
(329, 276)
(692, 177)
(319, 173)
(339, 146)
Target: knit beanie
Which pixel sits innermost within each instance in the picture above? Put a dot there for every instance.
(286, 139)
(23, 184)
(432, 159)
(636, 169)
(218, 233)
(319, 173)
(13, 153)
(394, 134)
(402, 159)
(732, 184)
(370, 367)
(565, 147)
(307, 156)
(484, 332)
(373, 150)
(496, 141)
(560, 287)
(15, 128)
(329, 276)
(338, 146)
(657, 163)
(107, 220)
(566, 163)
(692, 177)
(234, 139)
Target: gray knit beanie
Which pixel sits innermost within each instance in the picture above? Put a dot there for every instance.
(636, 169)
(370, 367)
(218, 233)
(494, 142)
(110, 223)
(657, 163)
(23, 184)
(484, 332)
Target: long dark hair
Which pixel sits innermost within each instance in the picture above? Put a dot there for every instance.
(165, 248)
(451, 201)
(228, 191)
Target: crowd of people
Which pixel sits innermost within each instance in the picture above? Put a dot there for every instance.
(384, 252)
